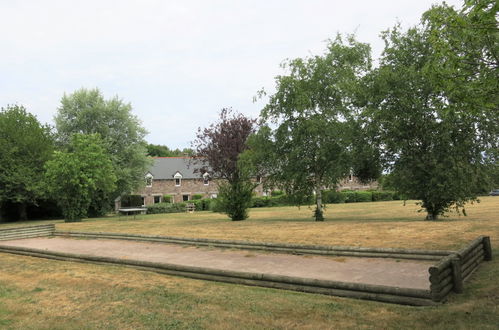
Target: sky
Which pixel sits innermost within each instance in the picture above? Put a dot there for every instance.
(177, 62)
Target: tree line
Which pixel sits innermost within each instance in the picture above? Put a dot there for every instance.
(426, 116)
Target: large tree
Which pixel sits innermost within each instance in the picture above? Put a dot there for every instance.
(25, 146)
(79, 175)
(86, 111)
(218, 148)
(438, 129)
(314, 108)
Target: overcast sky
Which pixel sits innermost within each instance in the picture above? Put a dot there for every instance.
(177, 62)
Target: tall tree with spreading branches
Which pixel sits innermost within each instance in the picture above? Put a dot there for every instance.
(25, 146)
(218, 148)
(86, 111)
(314, 109)
(437, 109)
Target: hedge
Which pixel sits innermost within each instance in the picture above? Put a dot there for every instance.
(330, 197)
(166, 208)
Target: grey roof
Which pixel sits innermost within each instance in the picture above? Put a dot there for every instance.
(166, 167)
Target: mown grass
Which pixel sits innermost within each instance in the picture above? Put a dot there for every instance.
(45, 294)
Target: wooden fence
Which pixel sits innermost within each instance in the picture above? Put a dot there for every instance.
(450, 272)
(27, 232)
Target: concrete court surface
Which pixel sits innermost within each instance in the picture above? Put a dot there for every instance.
(379, 271)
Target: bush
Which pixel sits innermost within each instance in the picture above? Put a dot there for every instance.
(274, 193)
(215, 205)
(131, 201)
(206, 204)
(363, 196)
(349, 196)
(197, 196)
(383, 195)
(333, 197)
(260, 202)
(235, 199)
(167, 199)
(166, 208)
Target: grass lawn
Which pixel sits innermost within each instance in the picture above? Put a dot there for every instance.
(38, 293)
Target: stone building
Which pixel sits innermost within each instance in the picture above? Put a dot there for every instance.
(180, 178)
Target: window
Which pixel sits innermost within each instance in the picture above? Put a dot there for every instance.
(185, 198)
(178, 179)
(206, 179)
(157, 199)
(350, 177)
(149, 179)
(259, 179)
(143, 201)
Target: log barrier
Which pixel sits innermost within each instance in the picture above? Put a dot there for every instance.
(27, 232)
(272, 247)
(450, 273)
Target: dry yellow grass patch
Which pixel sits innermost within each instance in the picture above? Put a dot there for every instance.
(380, 224)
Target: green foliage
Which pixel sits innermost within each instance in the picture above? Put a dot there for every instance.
(157, 150)
(439, 130)
(276, 193)
(218, 150)
(80, 174)
(86, 111)
(314, 105)
(166, 208)
(363, 196)
(25, 146)
(333, 197)
(131, 201)
(350, 196)
(235, 198)
(167, 198)
(382, 195)
(197, 196)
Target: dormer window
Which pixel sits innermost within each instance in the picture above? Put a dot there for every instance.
(206, 179)
(149, 179)
(178, 179)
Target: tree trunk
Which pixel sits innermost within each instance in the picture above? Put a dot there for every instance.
(23, 215)
(431, 216)
(318, 211)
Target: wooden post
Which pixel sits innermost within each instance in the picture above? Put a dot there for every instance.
(457, 277)
(487, 248)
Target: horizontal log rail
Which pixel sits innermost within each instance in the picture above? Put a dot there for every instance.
(272, 247)
(449, 273)
(452, 271)
(26, 232)
(353, 290)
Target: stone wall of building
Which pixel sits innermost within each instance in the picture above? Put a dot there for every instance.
(190, 187)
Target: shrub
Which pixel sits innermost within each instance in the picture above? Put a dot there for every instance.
(215, 205)
(167, 199)
(197, 196)
(276, 193)
(260, 202)
(349, 196)
(166, 208)
(131, 201)
(333, 197)
(363, 196)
